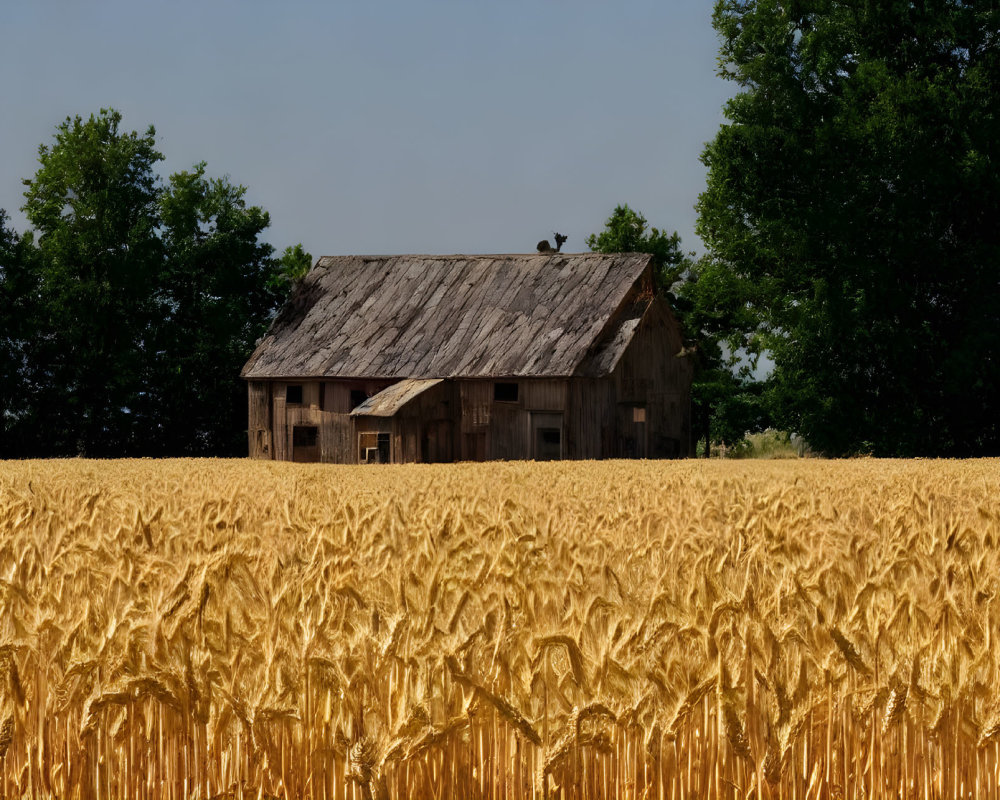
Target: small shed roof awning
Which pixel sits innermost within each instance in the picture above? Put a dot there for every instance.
(391, 399)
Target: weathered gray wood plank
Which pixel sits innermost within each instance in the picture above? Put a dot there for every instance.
(435, 316)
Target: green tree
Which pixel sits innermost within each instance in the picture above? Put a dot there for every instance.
(626, 231)
(93, 205)
(133, 303)
(725, 406)
(219, 288)
(295, 263)
(851, 212)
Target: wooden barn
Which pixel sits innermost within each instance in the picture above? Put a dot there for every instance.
(379, 359)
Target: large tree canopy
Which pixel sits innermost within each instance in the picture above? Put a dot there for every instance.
(851, 216)
(133, 303)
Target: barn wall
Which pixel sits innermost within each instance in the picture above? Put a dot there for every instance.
(590, 429)
(475, 413)
(279, 423)
(508, 437)
(337, 394)
(259, 420)
(651, 377)
(335, 431)
(492, 429)
(545, 395)
(336, 437)
(426, 428)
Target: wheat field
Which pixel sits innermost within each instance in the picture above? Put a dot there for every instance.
(226, 629)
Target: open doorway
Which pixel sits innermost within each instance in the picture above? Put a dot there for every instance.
(547, 436)
(305, 444)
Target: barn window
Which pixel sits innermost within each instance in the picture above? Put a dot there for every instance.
(358, 396)
(304, 436)
(505, 392)
(374, 447)
(639, 414)
(293, 395)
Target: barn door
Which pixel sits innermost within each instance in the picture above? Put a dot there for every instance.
(436, 442)
(546, 436)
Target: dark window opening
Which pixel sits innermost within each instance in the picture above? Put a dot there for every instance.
(304, 435)
(358, 396)
(383, 448)
(293, 395)
(505, 392)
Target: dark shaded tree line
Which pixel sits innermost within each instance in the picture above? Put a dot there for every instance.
(129, 307)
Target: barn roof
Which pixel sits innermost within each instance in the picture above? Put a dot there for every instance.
(453, 316)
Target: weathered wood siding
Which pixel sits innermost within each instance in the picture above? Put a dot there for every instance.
(280, 434)
(337, 394)
(424, 429)
(590, 421)
(476, 412)
(652, 377)
(259, 420)
(491, 429)
(336, 435)
(545, 395)
(272, 423)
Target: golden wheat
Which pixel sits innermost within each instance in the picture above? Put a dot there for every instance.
(637, 630)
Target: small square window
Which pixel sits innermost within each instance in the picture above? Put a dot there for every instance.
(505, 392)
(293, 395)
(358, 396)
(639, 414)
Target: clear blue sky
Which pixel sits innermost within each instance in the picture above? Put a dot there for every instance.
(393, 126)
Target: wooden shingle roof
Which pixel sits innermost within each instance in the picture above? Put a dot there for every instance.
(449, 316)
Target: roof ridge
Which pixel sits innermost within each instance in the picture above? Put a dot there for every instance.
(590, 254)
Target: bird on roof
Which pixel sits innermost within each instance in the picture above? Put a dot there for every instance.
(544, 246)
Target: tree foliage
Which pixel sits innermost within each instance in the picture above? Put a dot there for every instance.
(725, 406)
(626, 231)
(132, 304)
(295, 263)
(92, 204)
(851, 215)
(219, 287)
